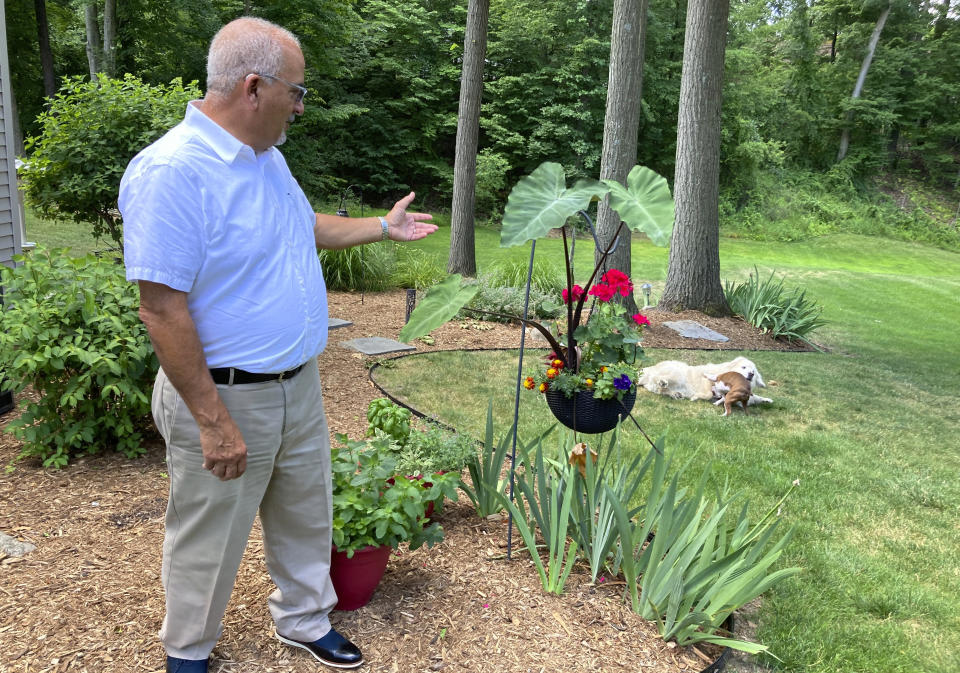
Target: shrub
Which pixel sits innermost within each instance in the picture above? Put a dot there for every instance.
(435, 450)
(546, 278)
(71, 330)
(769, 306)
(362, 267)
(417, 269)
(89, 134)
(495, 298)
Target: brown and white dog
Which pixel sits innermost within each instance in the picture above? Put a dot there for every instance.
(680, 381)
(730, 387)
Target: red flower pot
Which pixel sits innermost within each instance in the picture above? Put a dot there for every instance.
(356, 579)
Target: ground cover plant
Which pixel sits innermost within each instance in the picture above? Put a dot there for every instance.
(867, 428)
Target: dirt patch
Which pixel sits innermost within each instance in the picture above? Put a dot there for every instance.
(90, 598)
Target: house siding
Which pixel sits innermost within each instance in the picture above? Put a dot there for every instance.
(11, 225)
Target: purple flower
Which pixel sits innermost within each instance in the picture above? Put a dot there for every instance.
(622, 382)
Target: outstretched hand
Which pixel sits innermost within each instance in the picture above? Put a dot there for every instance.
(406, 226)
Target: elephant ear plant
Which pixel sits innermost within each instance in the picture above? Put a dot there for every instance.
(539, 203)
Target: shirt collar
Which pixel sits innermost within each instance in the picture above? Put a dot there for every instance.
(218, 138)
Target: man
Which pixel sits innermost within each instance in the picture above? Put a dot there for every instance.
(222, 242)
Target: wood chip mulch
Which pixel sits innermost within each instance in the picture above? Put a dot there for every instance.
(89, 597)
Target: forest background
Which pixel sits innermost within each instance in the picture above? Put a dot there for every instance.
(384, 85)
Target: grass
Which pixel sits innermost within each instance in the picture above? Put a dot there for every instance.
(869, 428)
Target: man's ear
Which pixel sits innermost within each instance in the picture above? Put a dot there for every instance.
(250, 87)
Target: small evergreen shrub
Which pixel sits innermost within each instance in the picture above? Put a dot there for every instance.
(71, 330)
(772, 308)
(362, 267)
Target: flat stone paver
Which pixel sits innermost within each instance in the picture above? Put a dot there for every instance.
(334, 323)
(376, 345)
(694, 330)
(13, 547)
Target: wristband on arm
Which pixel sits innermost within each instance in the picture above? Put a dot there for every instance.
(385, 227)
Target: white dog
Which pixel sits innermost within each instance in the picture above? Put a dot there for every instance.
(682, 381)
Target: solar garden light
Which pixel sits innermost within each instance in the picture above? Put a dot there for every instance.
(646, 288)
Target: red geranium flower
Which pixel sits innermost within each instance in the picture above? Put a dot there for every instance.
(603, 292)
(576, 293)
(640, 319)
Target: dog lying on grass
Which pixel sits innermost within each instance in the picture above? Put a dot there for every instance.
(681, 381)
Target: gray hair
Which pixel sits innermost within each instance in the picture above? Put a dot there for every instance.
(243, 46)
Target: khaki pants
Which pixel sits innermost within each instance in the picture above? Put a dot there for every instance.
(208, 521)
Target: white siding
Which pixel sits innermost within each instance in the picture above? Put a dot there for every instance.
(11, 230)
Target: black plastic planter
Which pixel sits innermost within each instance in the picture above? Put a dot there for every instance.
(584, 413)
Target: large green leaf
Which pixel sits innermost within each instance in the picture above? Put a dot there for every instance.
(440, 305)
(541, 201)
(645, 205)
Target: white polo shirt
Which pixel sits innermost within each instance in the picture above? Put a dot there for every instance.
(204, 214)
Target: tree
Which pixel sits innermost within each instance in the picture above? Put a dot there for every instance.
(693, 271)
(858, 87)
(46, 55)
(462, 257)
(621, 123)
(93, 37)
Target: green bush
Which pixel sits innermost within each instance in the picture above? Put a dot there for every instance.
(71, 330)
(769, 306)
(546, 278)
(500, 299)
(435, 450)
(417, 269)
(362, 267)
(88, 135)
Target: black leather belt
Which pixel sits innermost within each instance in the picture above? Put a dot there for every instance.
(222, 375)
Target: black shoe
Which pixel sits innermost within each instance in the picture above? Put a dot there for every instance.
(177, 665)
(332, 650)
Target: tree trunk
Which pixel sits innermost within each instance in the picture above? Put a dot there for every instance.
(110, 37)
(693, 272)
(463, 258)
(858, 87)
(93, 38)
(621, 123)
(46, 55)
(940, 25)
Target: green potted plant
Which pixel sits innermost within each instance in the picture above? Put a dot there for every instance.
(371, 516)
(590, 377)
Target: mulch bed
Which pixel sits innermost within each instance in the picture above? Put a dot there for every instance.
(89, 597)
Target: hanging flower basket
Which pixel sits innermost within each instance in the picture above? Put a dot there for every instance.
(584, 413)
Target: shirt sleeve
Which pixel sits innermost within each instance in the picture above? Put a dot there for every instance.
(163, 230)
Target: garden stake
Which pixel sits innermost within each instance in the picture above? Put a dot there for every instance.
(516, 403)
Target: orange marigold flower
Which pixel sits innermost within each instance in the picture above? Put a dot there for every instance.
(551, 373)
(589, 383)
(544, 387)
(557, 363)
(529, 383)
(603, 369)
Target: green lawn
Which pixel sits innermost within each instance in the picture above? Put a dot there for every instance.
(869, 428)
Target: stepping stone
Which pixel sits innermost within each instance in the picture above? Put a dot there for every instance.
(13, 547)
(694, 330)
(376, 345)
(334, 323)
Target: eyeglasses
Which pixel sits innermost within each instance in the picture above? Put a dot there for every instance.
(301, 90)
